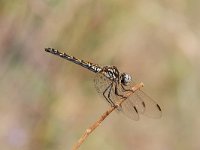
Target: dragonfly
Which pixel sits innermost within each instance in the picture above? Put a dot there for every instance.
(114, 85)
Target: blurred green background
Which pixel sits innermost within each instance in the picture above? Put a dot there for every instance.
(46, 103)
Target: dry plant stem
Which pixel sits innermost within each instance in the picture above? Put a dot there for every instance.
(103, 116)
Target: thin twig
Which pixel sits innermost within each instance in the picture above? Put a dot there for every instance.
(103, 116)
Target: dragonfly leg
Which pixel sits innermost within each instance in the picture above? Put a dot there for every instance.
(108, 97)
(109, 94)
(117, 92)
(124, 89)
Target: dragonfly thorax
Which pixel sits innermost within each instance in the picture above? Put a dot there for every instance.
(111, 72)
(125, 79)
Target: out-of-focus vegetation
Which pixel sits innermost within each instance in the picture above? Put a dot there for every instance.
(46, 103)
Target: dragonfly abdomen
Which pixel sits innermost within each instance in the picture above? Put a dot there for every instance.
(92, 67)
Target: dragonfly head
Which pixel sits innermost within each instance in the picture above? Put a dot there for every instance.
(125, 79)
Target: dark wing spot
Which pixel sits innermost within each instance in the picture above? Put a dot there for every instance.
(135, 109)
(158, 107)
(143, 104)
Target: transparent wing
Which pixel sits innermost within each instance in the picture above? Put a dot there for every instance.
(137, 103)
(149, 107)
(140, 103)
(101, 82)
(128, 108)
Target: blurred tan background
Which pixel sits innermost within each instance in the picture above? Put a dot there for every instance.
(46, 103)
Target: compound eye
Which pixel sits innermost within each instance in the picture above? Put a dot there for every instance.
(125, 79)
